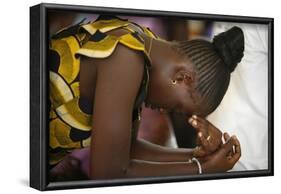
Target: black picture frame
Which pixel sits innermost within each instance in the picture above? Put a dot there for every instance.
(39, 96)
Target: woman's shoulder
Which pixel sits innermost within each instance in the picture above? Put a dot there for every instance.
(123, 60)
(103, 44)
(99, 38)
(112, 39)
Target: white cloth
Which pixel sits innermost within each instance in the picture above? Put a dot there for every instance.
(244, 109)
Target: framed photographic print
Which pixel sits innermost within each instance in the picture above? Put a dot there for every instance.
(127, 96)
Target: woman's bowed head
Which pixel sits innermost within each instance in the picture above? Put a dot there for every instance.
(192, 76)
(189, 77)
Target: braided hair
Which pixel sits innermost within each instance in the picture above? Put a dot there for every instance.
(214, 62)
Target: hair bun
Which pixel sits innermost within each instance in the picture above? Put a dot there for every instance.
(230, 46)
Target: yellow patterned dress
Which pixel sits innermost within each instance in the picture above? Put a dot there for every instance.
(70, 126)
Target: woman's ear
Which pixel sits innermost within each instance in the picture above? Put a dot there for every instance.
(184, 76)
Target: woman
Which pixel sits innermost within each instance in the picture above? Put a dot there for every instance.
(101, 73)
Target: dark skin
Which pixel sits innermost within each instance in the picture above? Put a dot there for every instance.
(113, 83)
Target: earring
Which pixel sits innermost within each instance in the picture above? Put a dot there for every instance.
(174, 82)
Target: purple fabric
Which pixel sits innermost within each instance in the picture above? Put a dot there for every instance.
(83, 155)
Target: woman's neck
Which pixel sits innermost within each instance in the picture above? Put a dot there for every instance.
(161, 52)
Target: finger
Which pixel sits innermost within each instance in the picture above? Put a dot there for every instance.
(204, 123)
(203, 130)
(193, 122)
(226, 136)
(190, 120)
(224, 139)
(199, 126)
(196, 125)
(237, 145)
(203, 141)
(201, 120)
(236, 156)
(208, 126)
(228, 146)
(199, 152)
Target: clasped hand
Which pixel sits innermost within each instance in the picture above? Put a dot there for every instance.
(214, 154)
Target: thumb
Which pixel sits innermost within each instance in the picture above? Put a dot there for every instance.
(228, 146)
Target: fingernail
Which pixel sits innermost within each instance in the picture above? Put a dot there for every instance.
(194, 116)
(194, 123)
(190, 120)
(200, 134)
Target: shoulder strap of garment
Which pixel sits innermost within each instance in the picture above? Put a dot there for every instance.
(104, 24)
(101, 45)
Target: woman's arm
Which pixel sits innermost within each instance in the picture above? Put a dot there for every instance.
(118, 80)
(144, 150)
(142, 168)
(220, 161)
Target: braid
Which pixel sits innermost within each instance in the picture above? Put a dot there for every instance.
(213, 76)
(214, 63)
